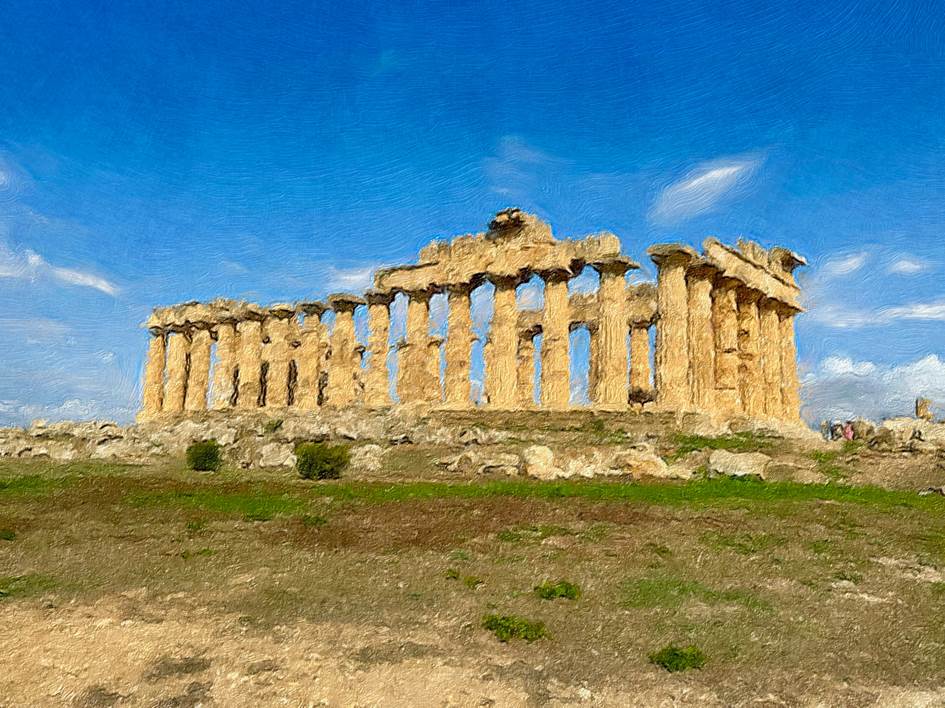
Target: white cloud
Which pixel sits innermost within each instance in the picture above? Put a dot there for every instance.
(704, 187)
(36, 330)
(29, 265)
(530, 297)
(844, 265)
(841, 388)
(15, 412)
(906, 265)
(842, 317)
(516, 167)
(357, 278)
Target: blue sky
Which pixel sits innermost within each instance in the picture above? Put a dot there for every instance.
(157, 152)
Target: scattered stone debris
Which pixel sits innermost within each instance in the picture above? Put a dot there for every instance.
(738, 464)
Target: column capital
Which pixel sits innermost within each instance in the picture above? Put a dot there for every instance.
(616, 265)
(671, 254)
(509, 281)
(459, 288)
(701, 270)
(555, 274)
(422, 294)
(345, 302)
(312, 307)
(749, 295)
(281, 310)
(378, 297)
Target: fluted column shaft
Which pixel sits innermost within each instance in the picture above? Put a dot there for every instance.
(790, 386)
(770, 345)
(226, 365)
(178, 348)
(725, 323)
(672, 332)
(413, 357)
(612, 335)
(640, 373)
(278, 329)
(343, 364)
(152, 398)
(526, 372)
(751, 379)
(502, 346)
(555, 338)
(701, 339)
(310, 358)
(376, 383)
(593, 365)
(459, 338)
(250, 363)
(198, 381)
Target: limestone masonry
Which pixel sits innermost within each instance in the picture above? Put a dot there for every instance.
(724, 339)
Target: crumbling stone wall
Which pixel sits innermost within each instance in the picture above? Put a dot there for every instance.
(723, 319)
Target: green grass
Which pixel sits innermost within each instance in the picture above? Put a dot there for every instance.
(673, 658)
(251, 506)
(561, 589)
(32, 485)
(521, 534)
(670, 592)
(23, 585)
(7, 534)
(739, 442)
(508, 627)
(472, 582)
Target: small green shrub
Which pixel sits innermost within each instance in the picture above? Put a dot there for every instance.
(321, 461)
(452, 574)
(472, 582)
(552, 591)
(204, 456)
(506, 627)
(7, 534)
(272, 426)
(673, 658)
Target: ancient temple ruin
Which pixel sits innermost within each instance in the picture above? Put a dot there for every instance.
(723, 319)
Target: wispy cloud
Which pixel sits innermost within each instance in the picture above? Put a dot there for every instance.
(841, 388)
(705, 187)
(844, 317)
(907, 265)
(516, 167)
(29, 265)
(33, 330)
(357, 278)
(845, 264)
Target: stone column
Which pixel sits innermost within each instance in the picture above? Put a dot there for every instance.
(413, 356)
(770, 346)
(344, 363)
(377, 381)
(555, 339)
(672, 326)
(459, 339)
(250, 361)
(152, 398)
(612, 333)
(502, 345)
(593, 364)
(279, 331)
(640, 374)
(725, 324)
(310, 356)
(526, 370)
(178, 347)
(198, 381)
(790, 386)
(226, 365)
(751, 380)
(701, 338)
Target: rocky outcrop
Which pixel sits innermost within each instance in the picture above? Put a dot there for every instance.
(742, 464)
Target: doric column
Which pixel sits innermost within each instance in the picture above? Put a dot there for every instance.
(278, 329)
(250, 361)
(152, 397)
(593, 364)
(525, 369)
(750, 378)
(377, 382)
(344, 363)
(502, 345)
(790, 386)
(413, 367)
(178, 347)
(640, 374)
(224, 372)
(612, 332)
(459, 339)
(313, 343)
(198, 379)
(555, 338)
(725, 324)
(672, 326)
(701, 338)
(770, 345)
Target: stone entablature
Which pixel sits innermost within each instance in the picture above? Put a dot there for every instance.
(724, 341)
